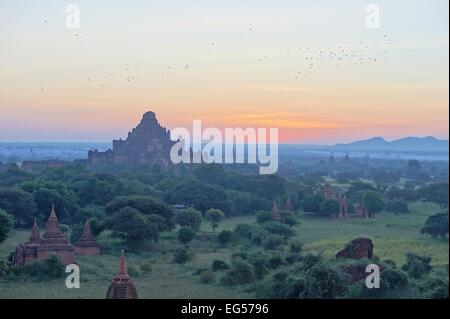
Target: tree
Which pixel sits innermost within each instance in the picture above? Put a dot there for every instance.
(373, 203)
(436, 193)
(329, 207)
(416, 266)
(200, 195)
(436, 225)
(6, 222)
(311, 204)
(185, 235)
(189, 217)
(214, 216)
(133, 227)
(397, 207)
(145, 205)
(263, 216)
(19, 204)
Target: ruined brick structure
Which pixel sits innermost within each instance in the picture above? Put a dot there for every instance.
(358, 248)
(122, 286)
(54, 242)
(329, 193)
(147, 144)
(87, 244)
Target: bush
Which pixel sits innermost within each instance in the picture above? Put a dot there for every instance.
(146, 267)
(189, 217)
(181, 256)
(263, 216)
(207, 277)
(225, 236)
(132, 271)
(218, 265)
(185, 235)
(241, 273)
(275, 261)
(272, 242)
(296, 247)
(279, 229)
(416, 266)
(48, 269)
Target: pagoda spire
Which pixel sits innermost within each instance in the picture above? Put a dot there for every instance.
(122, 266)
(35, 235)
(275, 212)
(52, 229)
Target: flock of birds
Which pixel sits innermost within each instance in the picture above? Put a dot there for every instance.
(308, 60)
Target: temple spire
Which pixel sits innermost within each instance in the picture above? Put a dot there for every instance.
(53, 213)
(122, 265)
(35, 235)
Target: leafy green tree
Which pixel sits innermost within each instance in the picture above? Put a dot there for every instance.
(277, 228)
(436, 193)
(225, 236)
(186, 235)
(397, 207)
(373, 203)
(311, 204)
(145, 205)
(436, 225)
(6, 222)
(416, 266)
(133, 227)
(329, 207)
(189, 217)
(98, 190)
(214, 216)
(199, 195)
(263, 216)
(20, 205)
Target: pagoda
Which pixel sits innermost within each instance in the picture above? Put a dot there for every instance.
(288, 206)
(275, 212)
(122, 286)
(53, 242)
(87, 244)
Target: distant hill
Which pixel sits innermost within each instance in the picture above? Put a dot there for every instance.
(406, 144)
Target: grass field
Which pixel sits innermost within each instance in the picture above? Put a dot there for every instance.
(393, 236)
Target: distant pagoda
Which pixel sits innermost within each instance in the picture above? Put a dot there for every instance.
(147, 144)
(275, 212)
(122, 286)
(87, 244)
(54, 242)
(288, 206)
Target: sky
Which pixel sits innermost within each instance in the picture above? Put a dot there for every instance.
(312, 69)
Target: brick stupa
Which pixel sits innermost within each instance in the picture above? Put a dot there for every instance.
(54, 242)
(275, 212)
(122, 286)
(87, 244)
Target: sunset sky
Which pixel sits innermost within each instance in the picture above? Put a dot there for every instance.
(228, 63)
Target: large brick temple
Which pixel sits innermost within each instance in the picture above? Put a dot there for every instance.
(147, 144)
(53, 242)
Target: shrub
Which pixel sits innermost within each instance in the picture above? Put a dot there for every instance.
(240, 273)
(275, 261)
(185, 235)
(416, 266)
(207, 277)
(279, 229)
(48, 269)
(273, 242)
(146, 267)
(225, 236)
(132, 271)
(218, 265)
(263, 216)
(181, 256)
(296, 247)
